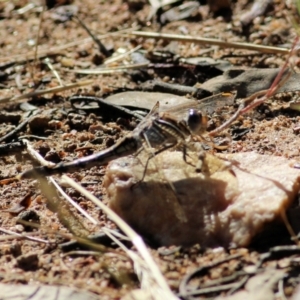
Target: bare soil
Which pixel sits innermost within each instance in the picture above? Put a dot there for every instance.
(61, 132)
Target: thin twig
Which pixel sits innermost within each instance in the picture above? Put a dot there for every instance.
(210, 41)
(72, 202)
(228, 122)
(120, 56)
(208, 290)
(278, 82)
(12, 148)
(12, 133)
(289, 227)
(110, 70)
(44, 162)
(55, 73)
(36, 156)
(278, 251)
(101, 47)
(38, 38)
(48, 91)
(184, 282)
(254, 100)
(37, 137)
(82, 252)
(27, 237)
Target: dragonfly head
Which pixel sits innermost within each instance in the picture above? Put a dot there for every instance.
(196, 121)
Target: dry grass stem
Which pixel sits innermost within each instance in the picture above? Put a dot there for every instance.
(18, 235)
(134, 237)
(109, 70)
(261, 96)
(210, 41)
(101, 47)
(116, 233)
(244, 104)
(72, 202)
(36, 156)
(148, 283)
(38, 38)
(48, 91)
(54, 72)
(82, 252)
(289, 227)
(121, 56)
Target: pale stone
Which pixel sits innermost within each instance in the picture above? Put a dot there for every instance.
(226, 204)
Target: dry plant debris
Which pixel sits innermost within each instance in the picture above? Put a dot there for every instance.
(44, 292)
(192, 50)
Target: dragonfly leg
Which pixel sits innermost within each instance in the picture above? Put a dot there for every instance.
(185, 155)
(201, 167)
(151, 155)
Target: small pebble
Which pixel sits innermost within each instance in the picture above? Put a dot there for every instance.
(67, 62)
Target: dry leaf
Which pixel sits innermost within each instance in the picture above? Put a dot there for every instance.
(259, 287)
(23, 204)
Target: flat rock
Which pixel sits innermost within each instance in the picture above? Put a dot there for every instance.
(247, 82)
(226, 204)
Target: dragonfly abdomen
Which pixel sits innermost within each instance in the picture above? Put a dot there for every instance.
(126, 146)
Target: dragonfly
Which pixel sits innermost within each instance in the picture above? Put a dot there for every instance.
(158, 130)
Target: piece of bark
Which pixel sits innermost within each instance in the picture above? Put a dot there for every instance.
(249, 81)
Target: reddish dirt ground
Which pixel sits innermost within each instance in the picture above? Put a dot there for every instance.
(62, 133)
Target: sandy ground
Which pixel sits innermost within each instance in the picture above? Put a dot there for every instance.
(61, 132)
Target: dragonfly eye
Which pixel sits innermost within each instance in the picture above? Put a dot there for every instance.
(196, 121)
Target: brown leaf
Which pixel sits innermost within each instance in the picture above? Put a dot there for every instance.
(23, 204)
